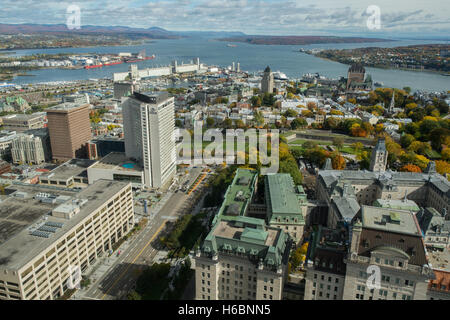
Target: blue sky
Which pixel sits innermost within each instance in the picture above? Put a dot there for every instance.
(277, 17)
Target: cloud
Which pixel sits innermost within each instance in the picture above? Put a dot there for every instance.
(250, 16)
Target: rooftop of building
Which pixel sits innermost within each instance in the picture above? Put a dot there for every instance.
(440, 260)
(238, 194)
(284, 198)
(69, 169)
(327, 249)
(27, 208)
(248, 238)
(21, 117)
(404, 204)
(66, 107)
(391, 230)
(151, 97)
(117, 161)
(391, 220)
(331, 177)
(346, 206)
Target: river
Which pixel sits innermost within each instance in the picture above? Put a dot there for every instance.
(252, 58)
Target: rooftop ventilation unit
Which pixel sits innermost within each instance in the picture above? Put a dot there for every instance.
(54, 224)
(41, 234)
(47, 228)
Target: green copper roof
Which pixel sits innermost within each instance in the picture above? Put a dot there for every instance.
(282, 192)
(238, 195)
(248, 237)
(254, 235)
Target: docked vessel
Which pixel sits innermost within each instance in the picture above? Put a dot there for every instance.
(92, 66)
(141, 59)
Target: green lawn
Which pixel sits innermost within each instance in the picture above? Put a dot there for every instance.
(320, 142)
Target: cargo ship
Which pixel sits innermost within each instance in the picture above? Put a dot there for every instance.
(113, 63)
(92, 66)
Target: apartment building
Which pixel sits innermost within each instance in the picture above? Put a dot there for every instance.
(53, 232)
(242, 259)
(149, 130)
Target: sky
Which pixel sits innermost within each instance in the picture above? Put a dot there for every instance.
(270, 17)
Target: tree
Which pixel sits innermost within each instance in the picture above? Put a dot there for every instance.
(309, 145)
(240, 124)
(133, 295)
(268, 99)
(227, 123)
(209, 122)
(259, 119)
(290, 113)
(406, 140)
(410, 168)
(358, 147)
(256, 101)
(338, 142)
(420, 147)
(178, 123)
(298, 123)
(307, 113)
(426, 126)
(337, 161)
(442, 167)
(446, 154)
(440, 137)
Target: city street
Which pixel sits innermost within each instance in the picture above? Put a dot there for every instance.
(120, 273)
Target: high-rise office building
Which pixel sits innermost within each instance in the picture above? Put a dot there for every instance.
(70, 128)
(267, 82)
(149, 126)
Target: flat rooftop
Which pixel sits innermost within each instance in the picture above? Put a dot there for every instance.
(69, 169)
(66, 107)
(117, 161)
(397, 204)
(440, 260)
(18, 208)
(228, 230)
(390, 220)
(21, 117)
(151, 97)
(19, 214)
(239, 193)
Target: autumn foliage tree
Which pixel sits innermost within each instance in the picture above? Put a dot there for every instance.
(410, 168)
(337, 161)
(442, 167)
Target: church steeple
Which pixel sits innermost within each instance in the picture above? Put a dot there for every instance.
(392, 105)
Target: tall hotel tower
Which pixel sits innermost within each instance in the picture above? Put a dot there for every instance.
(149, 124)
